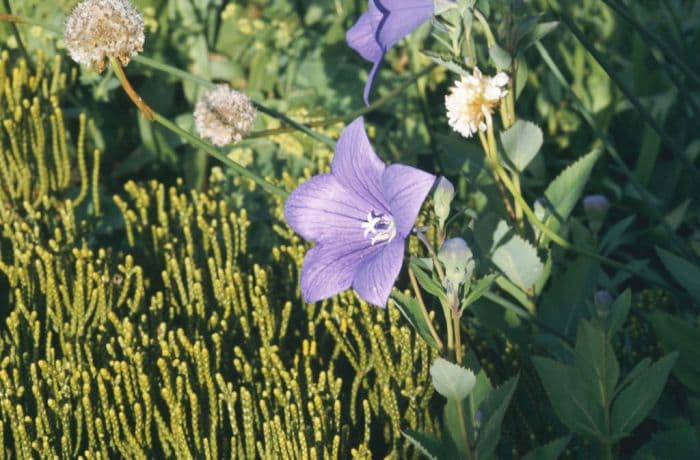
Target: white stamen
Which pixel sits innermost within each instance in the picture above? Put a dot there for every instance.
(381, 227)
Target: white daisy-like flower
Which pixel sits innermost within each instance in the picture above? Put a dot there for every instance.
(98, 29)
(224, 115)
(471, 99)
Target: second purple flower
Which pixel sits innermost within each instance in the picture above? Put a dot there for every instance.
(359, 216)
(382, 26)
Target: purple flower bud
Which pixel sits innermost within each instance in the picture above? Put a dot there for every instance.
(595, 207)
(602, 301)
(602, 297)
(442, 198)
(596, 202)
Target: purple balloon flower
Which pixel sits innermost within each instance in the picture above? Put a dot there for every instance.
(359, 216)
(382, 26)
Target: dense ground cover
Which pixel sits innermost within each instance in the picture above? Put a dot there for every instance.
(159, 303)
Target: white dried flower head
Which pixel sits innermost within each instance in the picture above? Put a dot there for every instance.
(223, 115)
(98, 29)
(471, 99)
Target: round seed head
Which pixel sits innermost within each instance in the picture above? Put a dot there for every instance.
(98, 29)
(224, 115)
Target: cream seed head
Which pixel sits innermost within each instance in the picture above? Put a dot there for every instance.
(224, 115)
(471, 99)
(98, 29)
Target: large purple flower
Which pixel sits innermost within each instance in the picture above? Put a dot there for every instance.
(359, 216)
(382, 26)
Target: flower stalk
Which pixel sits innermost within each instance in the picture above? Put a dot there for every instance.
(424, 310)
(130, 91)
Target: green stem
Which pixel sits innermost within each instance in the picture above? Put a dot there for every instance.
(211, 150)
(505, 178)
(191, 138)
(18, 37)
(424, 310)
(490, 39)
(667, 54)
(179, 73)
(186, 75)
(646, 197)
(634, 100)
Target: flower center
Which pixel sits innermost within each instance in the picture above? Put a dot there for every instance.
(379, 228)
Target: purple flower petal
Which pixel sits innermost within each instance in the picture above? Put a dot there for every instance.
(321, 208)
(329, 267)
(376, 275)
(358, 168)
(370, 80)
(401, 17)
(405, 188)
(362, 37)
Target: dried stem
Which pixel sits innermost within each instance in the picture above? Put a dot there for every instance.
(130, 91)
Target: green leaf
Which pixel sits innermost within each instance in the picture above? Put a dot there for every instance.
(564, 302)
(500, 57)
(635, 402)
(450, 380)
(516, 258)
(570, 396)
(494, 409)
(480, 392)
(447, 62)
(565, 191)
(530, 34)
(521, 143)
(619, 311)
(430, 285)
(681, 441)
(686, 273)
(479, 288)
(413, 313)
(428, 445)
(596, 360)
(640, 367)
(549, 451)
(452, 426)
(677, 334)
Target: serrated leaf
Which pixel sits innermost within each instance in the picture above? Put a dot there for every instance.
(634, 403)
(516, 258)
(565, 191)
(686, 273)
(521, 143)
(413, 313)
(570, 395)
(447, 62)
(451, 380)
(494, 409)
(550, 451)
(427, 444)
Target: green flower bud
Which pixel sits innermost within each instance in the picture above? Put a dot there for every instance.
(458, 261)
(442, 198)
